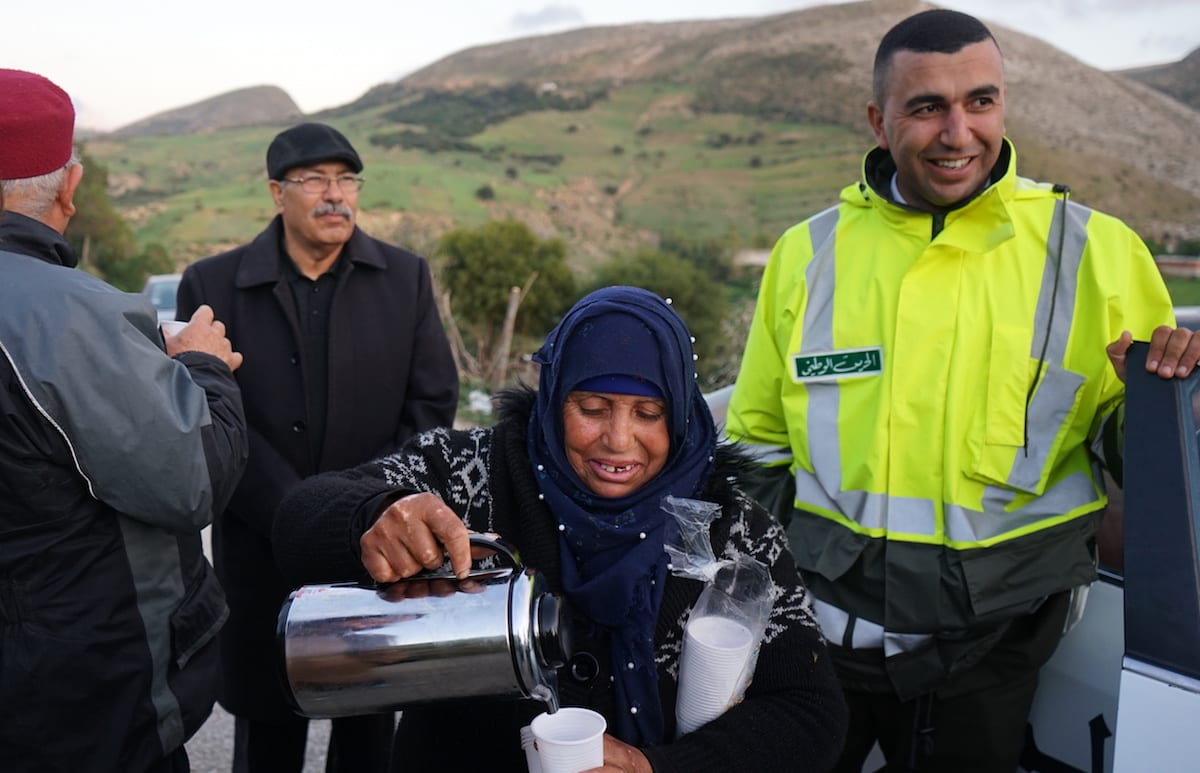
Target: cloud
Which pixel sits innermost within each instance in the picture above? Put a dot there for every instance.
(1083, 8)
(552, 17)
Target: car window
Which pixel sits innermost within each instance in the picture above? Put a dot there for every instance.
(162, 295)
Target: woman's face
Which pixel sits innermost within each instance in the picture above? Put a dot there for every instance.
(615, 443)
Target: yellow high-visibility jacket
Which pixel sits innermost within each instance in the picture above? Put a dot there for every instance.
(939, 389)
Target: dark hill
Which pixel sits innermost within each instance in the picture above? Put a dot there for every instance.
(253, 106)
(1180, 80)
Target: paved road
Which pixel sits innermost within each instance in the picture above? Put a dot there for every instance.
(211, 748)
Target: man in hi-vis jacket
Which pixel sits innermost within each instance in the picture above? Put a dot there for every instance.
(933, 380)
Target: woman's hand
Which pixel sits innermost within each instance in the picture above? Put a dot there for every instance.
(415, 532)
(620, 757)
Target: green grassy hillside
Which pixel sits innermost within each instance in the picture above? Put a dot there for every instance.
(615, 138)
(635, 165)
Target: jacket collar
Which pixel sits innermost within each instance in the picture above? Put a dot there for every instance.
(27, 236)
(988, 209)
(879, 167)
(262, 262)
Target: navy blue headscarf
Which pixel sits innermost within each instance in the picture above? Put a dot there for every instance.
(614, 563)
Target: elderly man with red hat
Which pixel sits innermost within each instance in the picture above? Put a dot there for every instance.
(117, 445)
(346, 358)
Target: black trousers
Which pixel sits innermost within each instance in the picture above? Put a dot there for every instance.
(356, 745)
(175, 762)
(975, 723)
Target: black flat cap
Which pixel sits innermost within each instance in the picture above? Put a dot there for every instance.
(307, 144)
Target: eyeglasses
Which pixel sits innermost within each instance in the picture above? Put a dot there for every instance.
(319, 183)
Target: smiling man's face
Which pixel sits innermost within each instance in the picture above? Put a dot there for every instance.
(942, 120)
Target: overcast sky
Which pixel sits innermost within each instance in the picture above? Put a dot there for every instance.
(123, 60)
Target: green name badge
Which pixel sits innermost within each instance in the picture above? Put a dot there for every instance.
(830, 366)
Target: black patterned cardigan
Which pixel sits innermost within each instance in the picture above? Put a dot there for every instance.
(793, 717)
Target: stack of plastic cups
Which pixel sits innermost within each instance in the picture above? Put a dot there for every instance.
(531, 755)
(716, 651)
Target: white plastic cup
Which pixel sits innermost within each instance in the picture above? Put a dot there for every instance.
(171, 327)
(569, 740)
(531, 755)
(715, 653)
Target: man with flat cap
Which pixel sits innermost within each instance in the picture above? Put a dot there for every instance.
(346, 358)
(117, 445)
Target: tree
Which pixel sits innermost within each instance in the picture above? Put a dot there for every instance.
(102, 239)
(1187, 247)
(131, 273)
(711, 256)
(694, 294)
(482, 266)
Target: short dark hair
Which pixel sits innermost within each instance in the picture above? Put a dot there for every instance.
(938, 31)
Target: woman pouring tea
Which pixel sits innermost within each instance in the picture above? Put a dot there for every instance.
(573, 475)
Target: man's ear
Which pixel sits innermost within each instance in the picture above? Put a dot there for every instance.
(875, 120)
(66, 191)
(276, 194)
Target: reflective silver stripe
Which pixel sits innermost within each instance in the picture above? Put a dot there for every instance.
(819, 276)
(833, 622)
(909, 515)
(1098, 444)
(1066, 266)
(1052, 329)
(896, 643)
(865, 634)
(965, 525)
(872, 511)
(901, 516)
(825, 451)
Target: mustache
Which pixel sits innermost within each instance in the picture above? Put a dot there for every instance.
(332, 208)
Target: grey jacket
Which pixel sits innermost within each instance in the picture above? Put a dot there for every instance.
(113, 456)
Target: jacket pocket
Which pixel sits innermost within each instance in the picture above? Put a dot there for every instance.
(1013, 447)
(199, 617)
(1003, 583)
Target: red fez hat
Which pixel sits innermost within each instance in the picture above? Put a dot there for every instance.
(37, 125)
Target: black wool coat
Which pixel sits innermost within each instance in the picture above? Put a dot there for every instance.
(391, 375)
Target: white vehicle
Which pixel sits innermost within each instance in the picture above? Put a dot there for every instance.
(161, 288)
(1122, 692)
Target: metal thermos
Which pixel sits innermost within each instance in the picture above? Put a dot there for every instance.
(356, 649)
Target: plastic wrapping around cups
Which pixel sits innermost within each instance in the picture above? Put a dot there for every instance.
(727, 623)
(717, 653)
(569, 740)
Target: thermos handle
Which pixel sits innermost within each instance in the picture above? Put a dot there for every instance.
(498, 545)
(489, 541)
